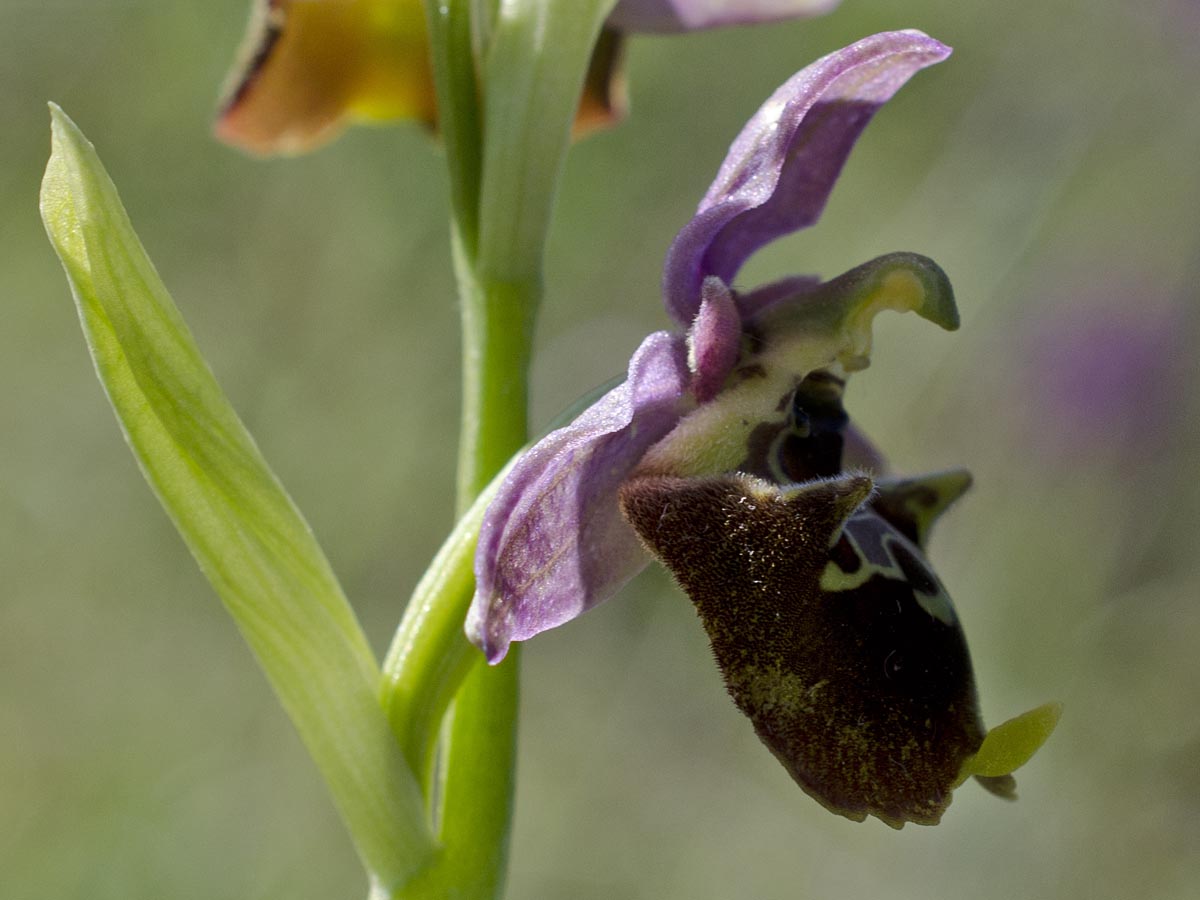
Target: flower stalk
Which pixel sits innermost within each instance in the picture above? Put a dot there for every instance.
(506, 138)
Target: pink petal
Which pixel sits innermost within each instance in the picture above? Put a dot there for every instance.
(714, 340)
(553, 543)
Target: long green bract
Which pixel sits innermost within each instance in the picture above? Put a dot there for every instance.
(248, 537)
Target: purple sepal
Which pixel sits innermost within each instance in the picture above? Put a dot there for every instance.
(553, 542)
(714, 340)
(669, 16)
(780, 170)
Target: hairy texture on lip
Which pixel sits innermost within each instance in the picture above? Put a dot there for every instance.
(864, 696)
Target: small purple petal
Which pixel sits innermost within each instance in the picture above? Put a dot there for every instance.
(714, 339)
(669, 16)
(782, 167)
(553, 542)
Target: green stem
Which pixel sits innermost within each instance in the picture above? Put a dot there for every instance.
(498, 320)
(477, 798)
(476, 788)
(502, 192)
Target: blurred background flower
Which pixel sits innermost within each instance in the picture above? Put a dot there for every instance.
(1049, 166)
(308, 68)
(1103, 371)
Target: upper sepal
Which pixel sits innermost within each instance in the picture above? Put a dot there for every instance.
(782, 167)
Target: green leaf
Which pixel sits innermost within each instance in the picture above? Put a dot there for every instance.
(243, 529)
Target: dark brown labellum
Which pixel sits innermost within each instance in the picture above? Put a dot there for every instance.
(833, 634)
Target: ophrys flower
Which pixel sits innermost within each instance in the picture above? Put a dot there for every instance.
(726, 453)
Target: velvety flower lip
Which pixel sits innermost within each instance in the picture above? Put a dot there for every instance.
(667, 16)
(782, 167)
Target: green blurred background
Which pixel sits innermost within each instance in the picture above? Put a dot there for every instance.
(1051, 166)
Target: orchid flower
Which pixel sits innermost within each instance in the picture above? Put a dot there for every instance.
(727, 455)
(310, 67)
